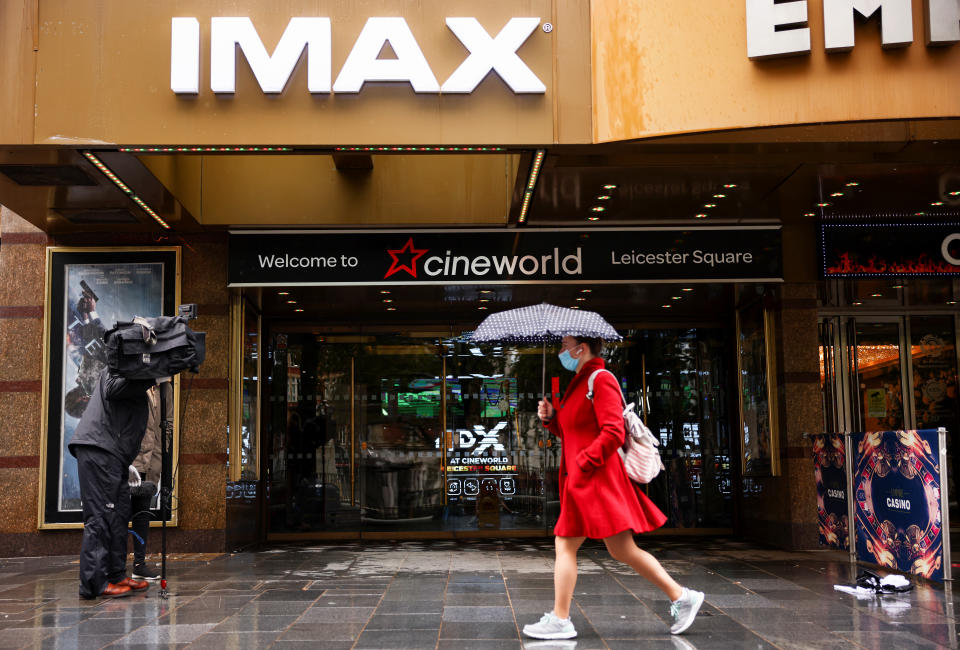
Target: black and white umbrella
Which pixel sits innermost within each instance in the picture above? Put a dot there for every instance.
(543, 323)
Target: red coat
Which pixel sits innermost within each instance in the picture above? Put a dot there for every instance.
(597, 499)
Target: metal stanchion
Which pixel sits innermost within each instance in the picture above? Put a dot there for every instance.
(944, 505)
(851, 497)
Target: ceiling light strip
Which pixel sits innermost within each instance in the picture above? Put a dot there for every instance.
(531, 184)
(205, 149)
(96, 162)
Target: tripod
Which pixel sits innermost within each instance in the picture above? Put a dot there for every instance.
(166, 478)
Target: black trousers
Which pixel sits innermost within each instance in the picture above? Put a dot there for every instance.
(106, 510)
(140, 523)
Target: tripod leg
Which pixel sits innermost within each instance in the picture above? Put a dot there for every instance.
(166, 483)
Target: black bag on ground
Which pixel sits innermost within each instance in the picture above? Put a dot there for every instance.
(150, 348)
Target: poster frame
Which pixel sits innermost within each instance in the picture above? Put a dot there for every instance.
(57, 257)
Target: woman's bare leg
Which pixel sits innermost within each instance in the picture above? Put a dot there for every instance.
(565, 574)
(623, 549)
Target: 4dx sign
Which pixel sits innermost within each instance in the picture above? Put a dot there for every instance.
(486, 53)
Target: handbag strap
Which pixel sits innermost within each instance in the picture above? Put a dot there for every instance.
(593, 375)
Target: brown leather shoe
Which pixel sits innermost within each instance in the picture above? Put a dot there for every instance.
(135, 585)
(116, 591)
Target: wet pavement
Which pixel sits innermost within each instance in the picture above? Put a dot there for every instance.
(469, 594)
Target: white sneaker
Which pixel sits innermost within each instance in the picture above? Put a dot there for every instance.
(550, 627)
(685, 609)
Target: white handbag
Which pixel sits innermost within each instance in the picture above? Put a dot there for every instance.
(639, 452)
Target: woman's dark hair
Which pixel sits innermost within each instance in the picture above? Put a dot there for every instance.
(594, 345)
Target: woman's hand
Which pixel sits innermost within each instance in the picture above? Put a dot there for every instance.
(545, 410)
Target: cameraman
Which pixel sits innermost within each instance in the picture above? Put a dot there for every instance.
(105, 444)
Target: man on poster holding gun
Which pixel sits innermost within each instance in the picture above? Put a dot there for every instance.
(139, 354)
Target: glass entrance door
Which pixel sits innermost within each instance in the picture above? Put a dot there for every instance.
(895, 372)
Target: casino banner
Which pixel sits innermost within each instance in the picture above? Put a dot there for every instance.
(829, 468)
(899, 516)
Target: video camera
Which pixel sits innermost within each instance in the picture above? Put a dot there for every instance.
(152, 348)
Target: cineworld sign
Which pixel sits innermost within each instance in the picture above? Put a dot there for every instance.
(891, 249)
(486, 53)
(505, 256)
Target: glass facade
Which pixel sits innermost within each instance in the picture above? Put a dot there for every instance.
(429, 433)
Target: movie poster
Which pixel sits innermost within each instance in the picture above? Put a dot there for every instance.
(897, 479)
(90, 290)
(829, 459)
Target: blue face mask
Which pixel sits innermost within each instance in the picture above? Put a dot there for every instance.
(567, 360)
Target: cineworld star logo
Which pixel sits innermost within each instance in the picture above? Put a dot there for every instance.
(405, 259)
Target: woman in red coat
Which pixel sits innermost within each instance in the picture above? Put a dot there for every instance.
(597, 499)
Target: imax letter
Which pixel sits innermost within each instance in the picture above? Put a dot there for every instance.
(763, 38)
(896, 22)
(498, 54)
(185, 56)
(272, 72)
(943, 21)
(362, 64)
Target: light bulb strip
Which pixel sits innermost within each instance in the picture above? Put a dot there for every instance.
(531, 184)
(103, 169)
(205, 149)
(386, 149)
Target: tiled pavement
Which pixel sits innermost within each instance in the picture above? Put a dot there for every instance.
(468, 594)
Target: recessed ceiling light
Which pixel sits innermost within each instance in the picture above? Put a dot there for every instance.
(896, 286)
(603, 197)
(581, 299)
(937, 203)
(486, 291)
(823, 205)
(609, 187)
(919, 214)
(954, 193)
(291, 302)
(719, 196)
(484, 300)
(283, 293)
(482, 307)
(298, 309)
(675, 297)
(951, 302)
(586, 290)
(836, 194)
(709, 205)
(700, 216)
(667, 306)
(574, 306)
(688, 289)
(809, 214)
(876, 295)
(384, 292)
(391, 309)
(729, 186)
(593, 218)
(598, 208)
(853, 184)
(857, 303)
(387, 300)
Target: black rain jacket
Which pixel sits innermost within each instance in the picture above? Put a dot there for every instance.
(115, 418)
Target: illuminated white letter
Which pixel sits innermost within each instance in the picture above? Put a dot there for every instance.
(499, 54)
(896, 22)
(185, 56)
(943, 21)
(363, 65)
(272, 72)
(763, 18)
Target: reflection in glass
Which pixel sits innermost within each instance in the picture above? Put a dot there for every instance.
(757, 408)
(250, 399)
(877, 363)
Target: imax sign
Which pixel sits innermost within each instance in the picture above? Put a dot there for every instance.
(486, 54)
(780, 28)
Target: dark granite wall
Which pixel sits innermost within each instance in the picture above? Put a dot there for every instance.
(203, 433)
(782, 510)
